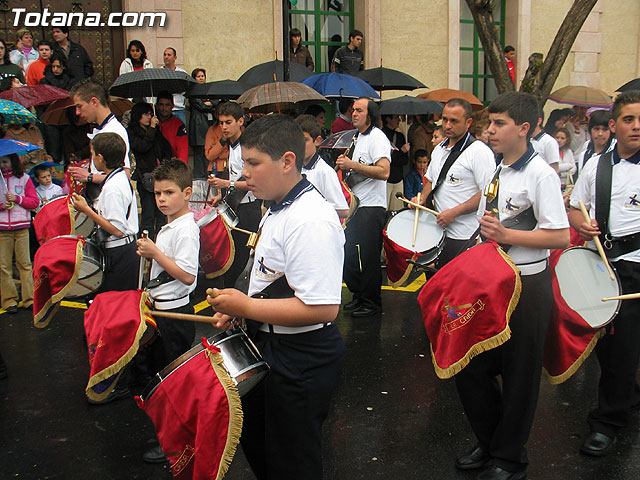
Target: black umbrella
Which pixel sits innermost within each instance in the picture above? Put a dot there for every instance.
(149, 81)
(382, 78)
(407, 105)
(632, 85)
(273, 72)
(222, 89)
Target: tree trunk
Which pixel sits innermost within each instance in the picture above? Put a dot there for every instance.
(541, 75)
(482, 12)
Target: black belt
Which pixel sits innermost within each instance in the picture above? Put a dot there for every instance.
(617, 246)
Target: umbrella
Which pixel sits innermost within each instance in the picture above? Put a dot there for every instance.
(222, 89)
(271, 72)
(278, 96)
(382, 78)
(445, 94)
(9, 146)
(15, 114)
(149, 81)
(407, 105)
(632, 85)
(339, 85)
(581, 96)
(56, 114)
(32, 95)
(341, 140)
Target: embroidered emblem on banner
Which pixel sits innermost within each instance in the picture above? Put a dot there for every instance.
(459, 316)
(183, 460)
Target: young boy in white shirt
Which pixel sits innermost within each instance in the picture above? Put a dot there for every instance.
(174, 269)
(47, 190)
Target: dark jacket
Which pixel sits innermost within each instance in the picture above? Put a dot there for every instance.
(301, 56)
(64, 81)
(78, 61)
(149, 148)
(412, 183)
(398, 158)
(75, 140)
(198, 122)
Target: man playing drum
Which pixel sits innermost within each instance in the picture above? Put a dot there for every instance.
(295, 289)
(454, 189)
(501, 417)
(370, 165)
(609, 186)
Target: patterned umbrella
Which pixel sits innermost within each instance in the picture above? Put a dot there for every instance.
(273, 72)
(279, 96)
(339, 85)
(56, 114)
(12, 113)
(149, 81)
(581, 96)
(382, 78)
(445, 94)
(222, 89)
(32, 95)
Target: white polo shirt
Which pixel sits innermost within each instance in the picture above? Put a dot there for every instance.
(236, 165)
(624, 213)
(586, 149)
(523, 185)
(115, 200)
(325, 179)
(467, 176)
(547, 147)
(371, 146)
(301, 238)
(180, 241)
(111, 124)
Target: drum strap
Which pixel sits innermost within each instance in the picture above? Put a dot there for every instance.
(453, 156)
(278, 289)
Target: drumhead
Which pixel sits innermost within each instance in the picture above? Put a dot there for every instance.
(400, 229)
(84, 225)
(91, 272)
(583, 279)
(207, 218)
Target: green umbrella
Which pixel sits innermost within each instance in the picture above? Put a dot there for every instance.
(12, 113)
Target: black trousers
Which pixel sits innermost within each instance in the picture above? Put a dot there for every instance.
(151, 218)
(618, 354)
(283, 416)
(121, 268)
(501, 418)
(199, 162)
(173, 339)
(451, 248)
(249, 215)
(362, 272)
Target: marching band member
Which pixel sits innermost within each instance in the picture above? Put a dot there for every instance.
(501, 418)
(174, 269)
(294, 295)
(371, 165)
(609, 186)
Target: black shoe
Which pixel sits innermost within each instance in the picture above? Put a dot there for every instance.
(598, 444)
(12, 309)
(115, 394)
(495, 472)
(352, 305)
(3, 369)
(365, 311)
(154, 455)
(476, 458)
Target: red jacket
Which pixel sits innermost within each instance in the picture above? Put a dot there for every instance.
(174, 131)
(340, 124)
(36, 71)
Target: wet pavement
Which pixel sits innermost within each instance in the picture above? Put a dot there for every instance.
(391, 418)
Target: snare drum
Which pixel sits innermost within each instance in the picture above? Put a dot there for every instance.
(583, 279)
(429, 236)
(91, 271)
(241, 360)
(84, 225)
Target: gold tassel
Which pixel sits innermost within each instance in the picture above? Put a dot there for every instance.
(563, 377)
(235, 413)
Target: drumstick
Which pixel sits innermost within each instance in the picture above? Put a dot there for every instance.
(143, 263)
(628, 296)
(596, 240)
(417, 205)
(181, 316)
(415, 222)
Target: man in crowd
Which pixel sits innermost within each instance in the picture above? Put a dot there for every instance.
(79, 63)
(299, 53)
(460, 168)
(399, 158)
(343, 122)
(169, 57)
(367, 171)
(36, 69)
(349, 59)
(509, 57)
(172, 127)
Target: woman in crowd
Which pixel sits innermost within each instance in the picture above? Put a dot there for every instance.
(136, 58)
(6, 67)
(200, 119)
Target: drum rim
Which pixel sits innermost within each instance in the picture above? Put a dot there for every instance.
(438, 246)
(615, 274)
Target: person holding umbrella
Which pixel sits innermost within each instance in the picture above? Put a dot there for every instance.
(200, 118)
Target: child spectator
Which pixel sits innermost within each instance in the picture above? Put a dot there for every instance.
(437, 136)
(415, 179)
(18, 198)
(174, 269)
(567, 165)
(47, 190)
